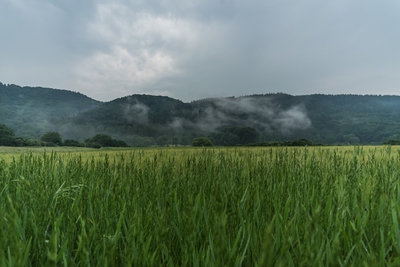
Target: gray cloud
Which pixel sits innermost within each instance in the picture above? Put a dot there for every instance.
(196, 49)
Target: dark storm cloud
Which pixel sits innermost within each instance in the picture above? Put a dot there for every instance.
(196, 49)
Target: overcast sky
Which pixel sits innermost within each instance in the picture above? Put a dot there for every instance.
(193, 49)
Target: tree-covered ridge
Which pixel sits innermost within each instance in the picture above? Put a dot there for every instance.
(32, 111)
(159, 120)
(353, 118)
(342, 119)
(144, 109)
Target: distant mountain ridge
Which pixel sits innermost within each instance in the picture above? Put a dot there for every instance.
(31, 111)
(342, 119)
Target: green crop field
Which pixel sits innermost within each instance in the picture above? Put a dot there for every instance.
(316, 206)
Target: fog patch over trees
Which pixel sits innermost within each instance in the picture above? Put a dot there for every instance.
(260, 113)
(134, 110)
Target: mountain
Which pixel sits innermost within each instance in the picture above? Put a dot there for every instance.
(32, 111)
(344, 119)
(146, 119)
(138, 115)
(369, 119)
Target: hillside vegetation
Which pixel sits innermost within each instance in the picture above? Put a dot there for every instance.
(32, 111)
(149, 120)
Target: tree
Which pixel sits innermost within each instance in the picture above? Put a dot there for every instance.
(94, 145)
(103, 140)
(7, 137)
(244, 135)
(121, 143)
(393, 142)
(6, 132)
(52, 137)
(302, 142)
(162, 140)
(202, 141)
(230, 139)
(247, 135)
(70, 142)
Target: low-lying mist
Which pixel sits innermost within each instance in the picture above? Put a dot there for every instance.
(260, 113)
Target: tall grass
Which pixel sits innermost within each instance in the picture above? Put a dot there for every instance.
(202, 207)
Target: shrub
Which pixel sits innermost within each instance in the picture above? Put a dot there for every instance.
(52, 137)
(71, 142)
(202, 141)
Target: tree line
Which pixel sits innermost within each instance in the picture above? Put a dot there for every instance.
(8, 138)
(228, 136)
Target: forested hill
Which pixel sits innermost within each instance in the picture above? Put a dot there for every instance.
(344, 119)
(353, 118)
(146, 119)
(31, 111)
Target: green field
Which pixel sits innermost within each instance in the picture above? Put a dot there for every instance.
(322, 206)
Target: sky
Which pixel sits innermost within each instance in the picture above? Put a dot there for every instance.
(195, 49)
